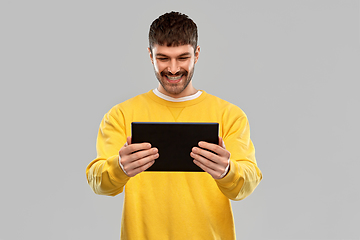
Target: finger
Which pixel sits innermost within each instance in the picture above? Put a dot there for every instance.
(139, 166)
(221, 142)
(206, 157)
(210, 146)
(127, 150)
(140, 162)
(141, 154)
(128, 142)
(206, 154)
(136, 171)
(213, 173)
(219, 150)
(206, 162)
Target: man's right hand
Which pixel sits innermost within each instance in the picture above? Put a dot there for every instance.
(136, 158)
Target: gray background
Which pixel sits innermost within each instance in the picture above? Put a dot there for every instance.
(292, 66)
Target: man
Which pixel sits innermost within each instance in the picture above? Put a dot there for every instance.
(175, 205)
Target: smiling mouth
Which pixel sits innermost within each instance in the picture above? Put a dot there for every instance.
(174, 78)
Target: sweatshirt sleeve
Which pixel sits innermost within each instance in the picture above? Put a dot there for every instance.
(104, 174)
(244, 175)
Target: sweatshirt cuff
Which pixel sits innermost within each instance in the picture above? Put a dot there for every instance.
(115, 170)
(122, 167)
(226, 169)
(231, 177)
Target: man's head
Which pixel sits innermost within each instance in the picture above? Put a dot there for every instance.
(173, 29)
(173, 51)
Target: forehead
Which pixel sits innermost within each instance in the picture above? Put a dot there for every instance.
(172, 51)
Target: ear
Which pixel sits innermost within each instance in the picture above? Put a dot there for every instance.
(150, 55)
(197, 52)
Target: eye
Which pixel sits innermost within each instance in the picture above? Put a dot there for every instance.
(162, 59)
(183, 58)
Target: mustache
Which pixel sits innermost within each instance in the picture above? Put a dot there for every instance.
(178, 73)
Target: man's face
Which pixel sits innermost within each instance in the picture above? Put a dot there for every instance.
(174, 68)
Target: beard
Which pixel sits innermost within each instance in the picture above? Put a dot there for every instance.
(175, 88)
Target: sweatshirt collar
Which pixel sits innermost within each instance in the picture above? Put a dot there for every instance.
(186, 103)
(182, 99)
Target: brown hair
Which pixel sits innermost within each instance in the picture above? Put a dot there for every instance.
(173, 29)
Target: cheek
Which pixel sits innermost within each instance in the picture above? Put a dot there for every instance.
(188, 66)
(158, 68)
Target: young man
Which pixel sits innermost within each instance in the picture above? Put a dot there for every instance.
(175, 205)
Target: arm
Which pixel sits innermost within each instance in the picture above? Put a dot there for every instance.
(243, 175)
(113, 167)
(104, 174)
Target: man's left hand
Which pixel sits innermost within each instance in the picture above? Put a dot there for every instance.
(214, 164)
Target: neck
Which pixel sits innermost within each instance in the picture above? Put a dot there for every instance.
(181, 99)
(188, 91)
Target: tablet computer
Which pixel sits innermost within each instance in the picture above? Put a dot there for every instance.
(174, 142)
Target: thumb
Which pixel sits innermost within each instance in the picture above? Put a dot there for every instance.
(221, 142)
(128, 141)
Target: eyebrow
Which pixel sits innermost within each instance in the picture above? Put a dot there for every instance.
(181, 55)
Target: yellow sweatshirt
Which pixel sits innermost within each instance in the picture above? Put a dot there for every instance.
(175, 205)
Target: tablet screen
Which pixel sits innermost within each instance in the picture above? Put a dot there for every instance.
(174, 142)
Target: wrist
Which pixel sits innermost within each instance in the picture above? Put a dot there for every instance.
(121, 166)
(226, 169)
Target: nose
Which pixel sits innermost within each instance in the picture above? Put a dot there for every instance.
(173, 68)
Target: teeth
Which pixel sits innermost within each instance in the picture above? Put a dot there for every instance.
(174, 78)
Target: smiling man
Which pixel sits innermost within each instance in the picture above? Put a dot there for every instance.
(175, 205)
(174, 68)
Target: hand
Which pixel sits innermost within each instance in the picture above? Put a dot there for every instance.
(214, 164)
(137, 157)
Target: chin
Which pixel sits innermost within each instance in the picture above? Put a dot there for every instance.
(174, 90)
